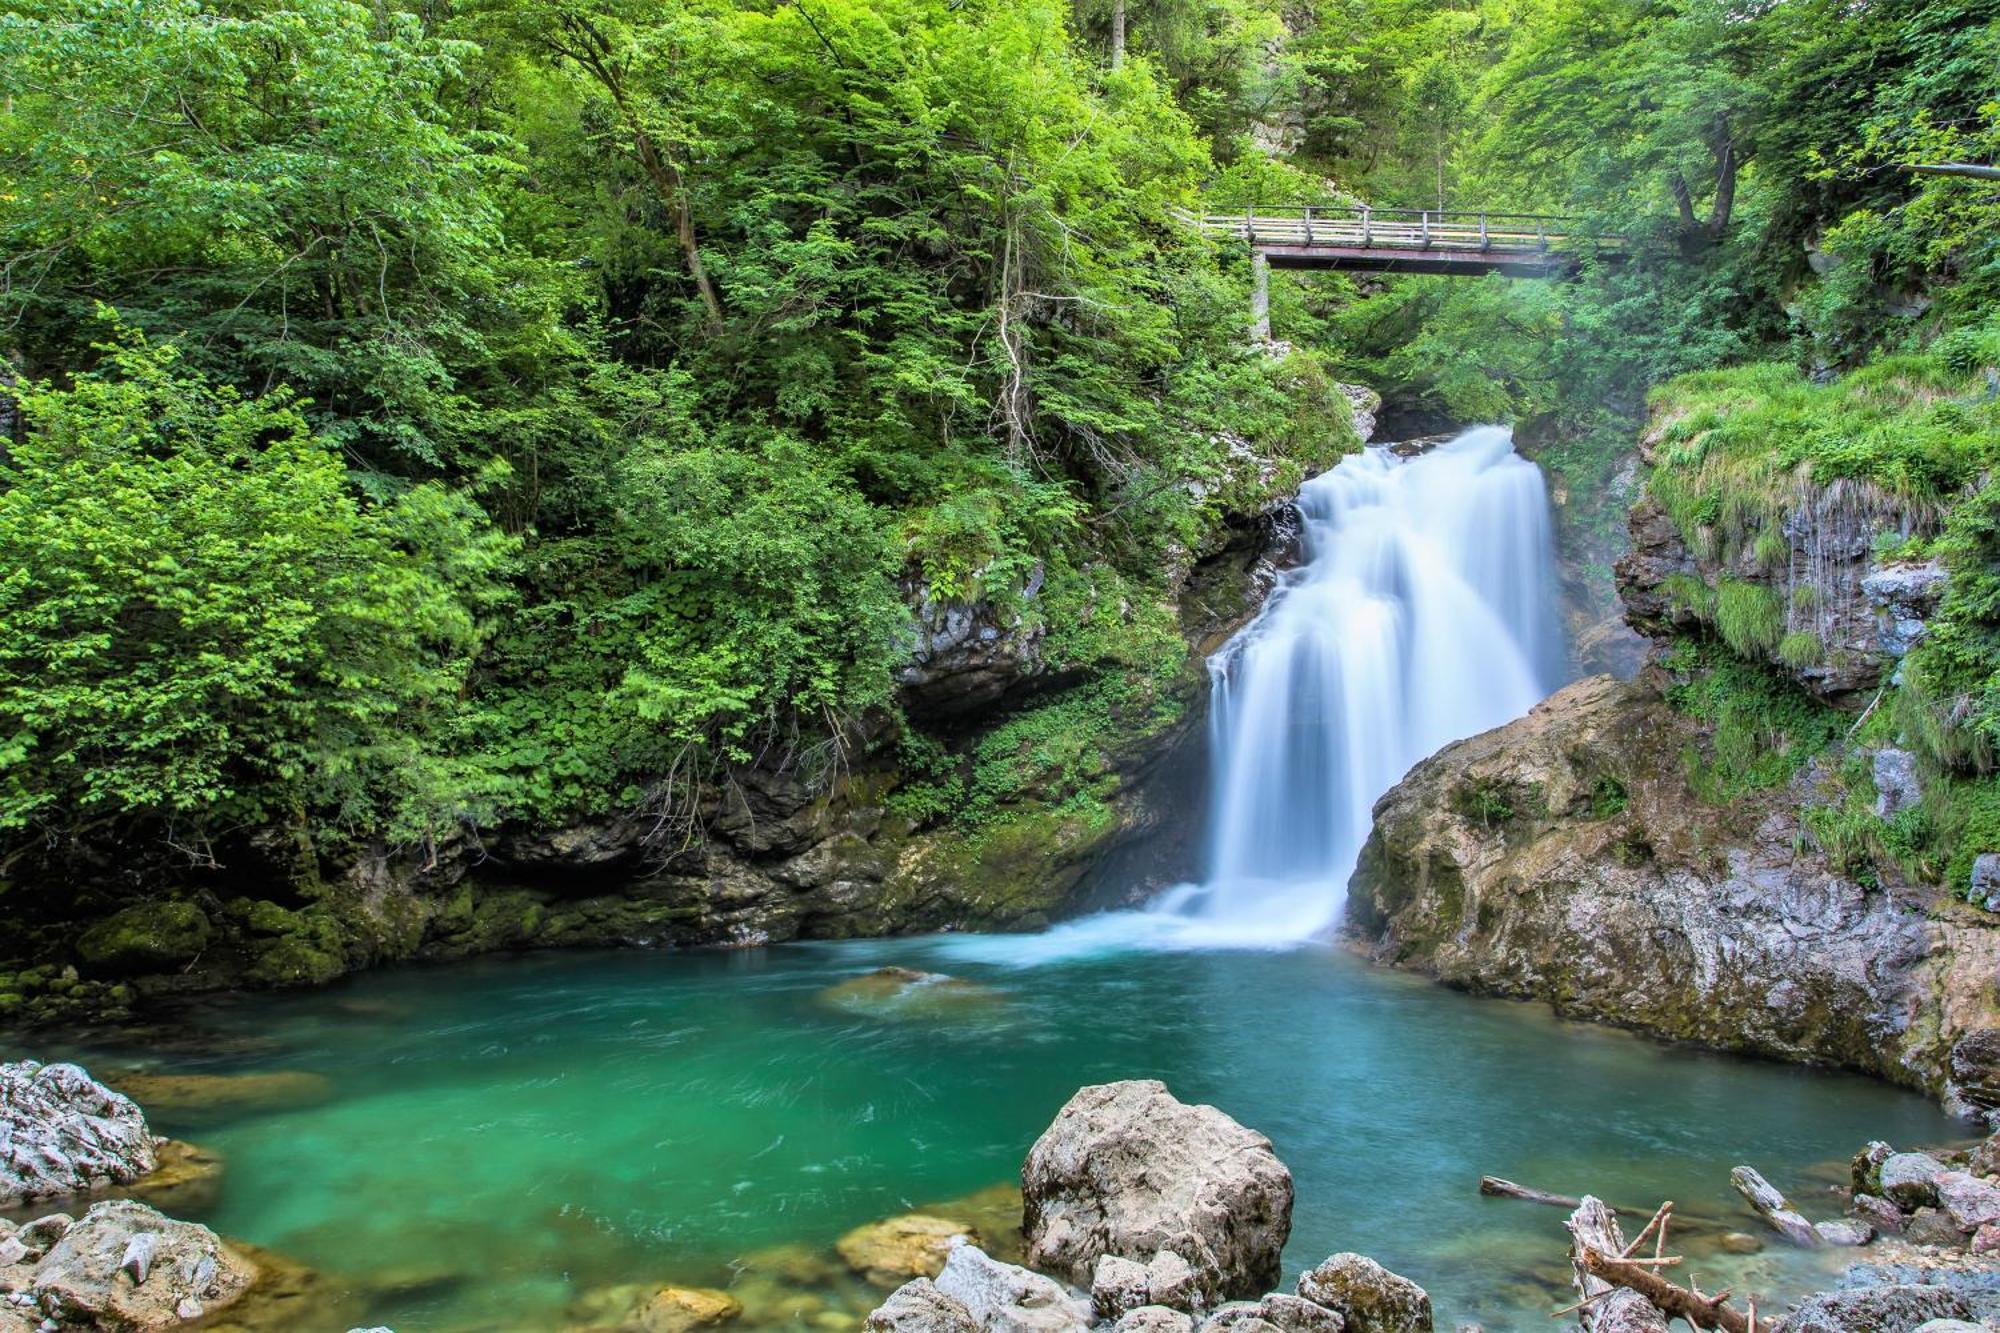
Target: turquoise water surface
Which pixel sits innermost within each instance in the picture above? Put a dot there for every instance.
(503, 1137)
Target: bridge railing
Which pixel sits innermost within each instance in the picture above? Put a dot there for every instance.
(1404, 229)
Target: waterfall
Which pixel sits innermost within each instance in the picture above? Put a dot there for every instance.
(1424, 611)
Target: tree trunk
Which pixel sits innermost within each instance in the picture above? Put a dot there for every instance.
(1117, 33)
(667, 180)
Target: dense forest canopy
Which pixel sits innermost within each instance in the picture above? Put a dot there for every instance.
(438, 416)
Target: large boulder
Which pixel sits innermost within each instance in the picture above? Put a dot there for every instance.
(148, 937)
(126, 1267)
(62, 1132)
(1126, 1169)
(1367, 1296)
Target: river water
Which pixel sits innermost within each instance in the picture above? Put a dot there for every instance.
(492, 1143)
(504, 1136)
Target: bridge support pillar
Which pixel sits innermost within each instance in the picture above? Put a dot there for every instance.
(1260, 296)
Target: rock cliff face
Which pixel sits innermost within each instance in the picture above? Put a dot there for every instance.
(1561, 856)
(1564, 857)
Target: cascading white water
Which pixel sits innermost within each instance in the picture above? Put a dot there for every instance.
(1424, 612)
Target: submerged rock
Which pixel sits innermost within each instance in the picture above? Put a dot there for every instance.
(896, 1249)
(1126, 1169)
(188, 1179)
(222, 1096)
(902, 992)
(62, 1132)
(642, 1307)
(1368, 1296)
(125, 1266)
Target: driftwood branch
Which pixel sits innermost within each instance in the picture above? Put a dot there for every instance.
(1622, 1294)
(1607, 1307)
(1497, 1188)
(1769, 1204)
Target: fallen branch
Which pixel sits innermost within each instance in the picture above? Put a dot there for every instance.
(1626, 1295)
(1496, 1187)
(1607, 1308)
(1765, 1200)
(1507, 1189)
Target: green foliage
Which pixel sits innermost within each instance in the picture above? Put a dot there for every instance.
(1950, 700)
(1609, 798)
(1489, 801)
(1748, 617)
(1761, 727)
(201, 620)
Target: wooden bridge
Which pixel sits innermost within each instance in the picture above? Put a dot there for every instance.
(1408, 240)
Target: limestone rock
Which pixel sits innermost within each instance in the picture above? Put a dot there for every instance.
(1885, 1309)
(901, 992)
(919, 1307)
(1127, 1169)
(890, 1252)
(1975, 1068)
(1984, 1159)
(683, 1309)
(61, 1132)
(1003, 1298)
(1909, 1179)
(1153, 1319)
(90, 1274)
(1613, 891)
(1970, 1202)
(187, 1179)
(1845, 1233)
(1984, 886)
(1171, 1281)
(1117, 1285)
(1288, 1314)
(1897, 787)
(650, 1307)
(1368, 1296)
(1933, 1226)
(1904, 597)
(1865, 1172)
(969, 657)
(1950, 1326)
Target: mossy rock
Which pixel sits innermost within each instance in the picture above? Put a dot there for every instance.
(308, 948)
(145, 938)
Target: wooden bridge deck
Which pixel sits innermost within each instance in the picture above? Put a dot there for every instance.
(1412, 240)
